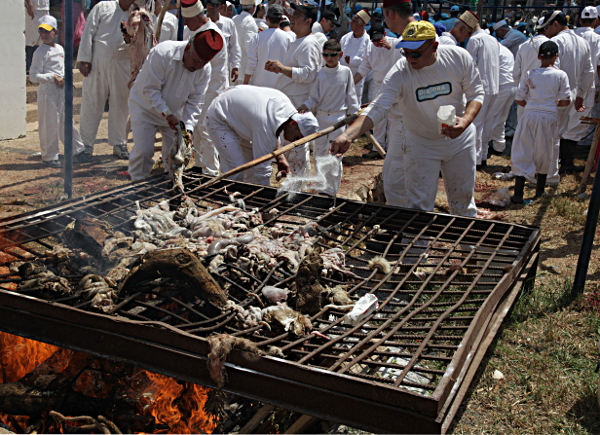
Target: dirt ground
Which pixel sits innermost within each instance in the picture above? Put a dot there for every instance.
(26, 185)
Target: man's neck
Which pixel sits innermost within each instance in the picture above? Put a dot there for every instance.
(214, 17)
(52, 44)
(358, 35)
(302, 34)
(122, 4)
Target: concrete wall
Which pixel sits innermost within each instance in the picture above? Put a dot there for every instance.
(12, 69)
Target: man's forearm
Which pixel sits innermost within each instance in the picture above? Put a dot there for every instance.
(357, 128)
(471, 111)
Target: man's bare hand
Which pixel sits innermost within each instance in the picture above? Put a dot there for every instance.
(383, 43)
(60, 82)
(235, 73)
(173, 121)
(458, 128)
(85, 68)
(347, 59)
(274, 66)
(579, 104)
(303, 109)
(283, 167)
(340, 145)
(29, 9)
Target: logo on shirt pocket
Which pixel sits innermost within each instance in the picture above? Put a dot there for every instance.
(434, 91)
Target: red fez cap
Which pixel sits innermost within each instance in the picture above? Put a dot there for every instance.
(388, 3)
(207, 44)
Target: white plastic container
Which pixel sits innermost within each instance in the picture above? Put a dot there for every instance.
(446, 116)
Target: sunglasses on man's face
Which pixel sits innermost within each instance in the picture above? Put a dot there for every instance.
(416, 54)
(331, 54)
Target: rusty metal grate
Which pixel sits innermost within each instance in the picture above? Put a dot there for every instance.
(403, 369)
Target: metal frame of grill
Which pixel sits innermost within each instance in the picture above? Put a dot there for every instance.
(406, 368)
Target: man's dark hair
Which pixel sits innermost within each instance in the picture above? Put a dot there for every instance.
(404, 10)
(560, 19)
(332, 45)
(548, 50)
(587, 22)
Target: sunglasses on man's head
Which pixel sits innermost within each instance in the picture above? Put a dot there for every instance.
(331, 54)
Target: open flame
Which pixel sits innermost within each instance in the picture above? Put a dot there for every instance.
(178, 407)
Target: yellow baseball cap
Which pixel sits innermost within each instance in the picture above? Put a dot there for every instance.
(416, 34)
(47, 22)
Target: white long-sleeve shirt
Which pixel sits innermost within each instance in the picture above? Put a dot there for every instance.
(165, 86)
(168, 31)
(333, 91)
(355, 49)
(254, 113)
(270, 44)
(593, 39)
(229, 31)
(246, 29)
(513, 39)
(420, 93)
(484, 49)
(219, 78)
(447, 38)
(541, 87)
(576, 61)
(103, 27)
(507, 66)
(379, 60)
(304, 56)
(47, 62)
(527, 57)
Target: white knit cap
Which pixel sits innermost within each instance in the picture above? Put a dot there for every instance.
(191, 9)
(499, 24)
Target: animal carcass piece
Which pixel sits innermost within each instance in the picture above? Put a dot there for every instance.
(179, 156)
(140, 30)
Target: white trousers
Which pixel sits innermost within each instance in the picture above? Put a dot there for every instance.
(108, 79)
(333, 178)
(575, 130)
(534, 147)
(235, 151)
(380, 130)
(206, 155)
(500, 110)
(393, 172)
(32, 37)
(423, 160)
(51, 118)
(483, 126)
(144, 127)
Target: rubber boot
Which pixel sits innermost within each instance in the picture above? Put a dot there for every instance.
(567, 154)
(540, 186)
(517, 198)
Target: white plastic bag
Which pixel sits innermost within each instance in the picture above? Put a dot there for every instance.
(446, 116)
(362, 309)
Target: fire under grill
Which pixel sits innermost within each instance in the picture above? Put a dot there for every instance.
(404, 368)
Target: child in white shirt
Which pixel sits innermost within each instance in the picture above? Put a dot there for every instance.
(48, 69)
(332, 97)
(541, 92)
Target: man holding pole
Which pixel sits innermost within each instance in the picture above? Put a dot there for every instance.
(241, 138)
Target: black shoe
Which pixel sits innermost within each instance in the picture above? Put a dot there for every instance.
(52, 163)
(121, 152)
(517, 198)
(83, 157)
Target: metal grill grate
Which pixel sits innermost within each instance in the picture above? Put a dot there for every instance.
(410, 358)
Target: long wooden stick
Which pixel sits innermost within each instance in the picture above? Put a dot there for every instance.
(348, 120)
(376, 144)
(589, 165)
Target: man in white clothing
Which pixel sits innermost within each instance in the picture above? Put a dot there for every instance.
(297, 71)
(354, 46)
(104, 63)
(35, 9)
(245, 123)
(196, 21)
(511, 38)
(587, 19)
(428, 77)
(576, 61)
(380, 56)
(326, 24)
(170, 24)
(505, 98)
(170, 87)
(229, 32)
(270, 44)
(484, 49)
(246, 28)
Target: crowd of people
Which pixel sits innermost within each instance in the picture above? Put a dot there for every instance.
(245, 81)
